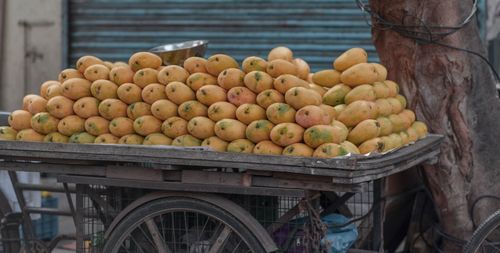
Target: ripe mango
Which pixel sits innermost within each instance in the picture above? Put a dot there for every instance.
(361, 73)
(215, 143)
(121, 126)
(44, 123)
(37, 104)
(269, 97)
(106, 139)
(179, 93)
(281, 52)
(396, 141)
(343, 130)
(408, 116)
(240, 146)
(191, 109)
(393, 88)
(56, 137)
(197, 80)
(381, 90)
(339, 108)
(330, 110)
(129, 93)
(153, 92)
(86, 61)
(201, 127)
(358, 111)
(145, 76)
(121, 74)
(336, 95)
(402, 100)
(254, 63)
(317, 135)
(27, 100)
(421, 129)
(112, 108)
(29, 135)
(54, 90)
(298, 97)
(375, 145)
(97, 126)
(210, 94)
(60, 107)
(280, 67)
(220, 62)
(195, 65)
(312, 115)
(349, 147)
(221, 110)
(398, 123)
(45, 86)
(412, 134)
(329, 150)
(76, 88)
(384, 107)
(68, 74)
(258, 81)
(381, 71)
(350, 58)
(174, 127)
(139, 109)
(365, 130)
(385, 126)
(280, 113)
(267, 148)
(103, 89)
(240, 95)
(326, 78)
(96, 72)
(285, 82)
(285, 134)
(231, 78)
(405, 138)
(71, 125)
(146, 125)
(81, 138)
(86, 107)
(172, 73)
(131, 139)
(157, 139)
(230, 129)
(259, 130)
(303, 69)
(108, 64)
(186, 141)
(298, 149)
(362, 92)
(7, 133)
(163, 109)
(247, 113)
(143, 60)
(318, 89)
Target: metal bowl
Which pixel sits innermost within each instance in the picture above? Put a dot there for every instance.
(177, 53)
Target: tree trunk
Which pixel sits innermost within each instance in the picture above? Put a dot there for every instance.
(454, 93)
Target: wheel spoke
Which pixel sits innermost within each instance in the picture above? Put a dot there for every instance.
(221, 240)
(157, 238)
(137, 244)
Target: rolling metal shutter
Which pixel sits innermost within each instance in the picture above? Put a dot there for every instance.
(316, 30)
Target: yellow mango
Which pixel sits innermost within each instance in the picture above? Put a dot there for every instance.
(362, 92)
(375, 145)
(285, 82)
(320, 134)
(259, 130)
(195, 65)
(393, 88)
(362, 73)
(258, 81)
(421, 129)
(280, 67)
(326, 78)
(336, 95)
(157, 139)
(381, 71)
(281, 113)
(302, 67)
(215, 143)
(381, 90)
(329, 150)
(231, 78)
(350, 58)
(269, 97)
(385, 126)
(298, 97)
(365, 130)
(220, 62)
(350, 147)
(298, 149)
(240, 146)
(384, 107)
(285, 134)
(172, 73)
(254, 63)
(358, 111)
(267, 148)
(281, 52)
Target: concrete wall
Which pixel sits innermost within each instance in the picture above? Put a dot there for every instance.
(45, 40)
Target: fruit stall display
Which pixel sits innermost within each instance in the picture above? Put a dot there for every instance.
(274, 106)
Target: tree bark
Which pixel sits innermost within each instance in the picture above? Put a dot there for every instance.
(454, 93)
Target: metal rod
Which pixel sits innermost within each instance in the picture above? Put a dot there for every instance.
(70, 202)
(48, 188)
(27, 224)
(50, 211)
(80, 232)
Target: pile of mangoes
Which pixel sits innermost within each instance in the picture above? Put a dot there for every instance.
(274, 106)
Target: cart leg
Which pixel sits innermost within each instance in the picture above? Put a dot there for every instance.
(28, 231)
(378, 215)
(79, 219)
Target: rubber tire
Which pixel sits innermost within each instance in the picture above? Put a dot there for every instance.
(13, 233)
(482, 232)
(179, 204)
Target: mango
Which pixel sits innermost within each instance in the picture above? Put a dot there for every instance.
(197, 80)
(269, 97)
(195, 65)
(157, 139)
(396, 140)
(121, 126)
(186, 141)
(381, 90)
(240, 146)
(254, 63)
(285, 134)
(320, 134)
(106, 139)
(231, 78)
(143, 60)
(215, 143)
(174, 127)
(267, 148)
(172, 73)
(402, 100)
(326, 78)
(7, 133)
(131, 139)
(298, 149)
(220, 62)
(103, 89)
(298, 97)
(412, 134)
(120, 64)
(221, 110)
(420, 128)
(163, 109)
(146, 125)
(97, 126)
(82, 138)
(86, 107)
(341, 128)
(68, 74)
(329, 150)
(349, 147)
(398, 123)
(365, 130)
(153, 92)
(318, 89)
(86, 61)
(280, 67)
(362, 92)
(405, 138)
(139, 109)
(302, 67)
(258, 81)
(358, 111)
(350, 58)
(129, 93)
(45, 86)
(29, 135)
(27, 100)
(60, 107)
(179, 93)
(96, 72)
(71, 125)
(408, 116)
(375, 145)
(121, 74)
(330, 110)
(145, 76)
(389, 143)
(37, 104)
(191, 109)
(44, 123)
(286, 81)
(54, 90)
(281, 113)
(247, 113)
(112, 108)
(311, 115)
(259, 130)
(336, 95)
(381, 71)
(281, 52)
(76, 88)
(201, 127)
(56, 137)
(240, 95)
(361, 73)
(210, 94)
(393, 88)
(384, 107)
(385, 126)
(230, 129)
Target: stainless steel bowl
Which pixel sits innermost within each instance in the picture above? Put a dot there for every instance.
(177, 53)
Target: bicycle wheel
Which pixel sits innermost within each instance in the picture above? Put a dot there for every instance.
(9, 234)
(486, 238)
(181, 224)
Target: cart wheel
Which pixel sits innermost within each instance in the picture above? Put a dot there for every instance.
(9, 230)
(181, 224)
(486, 237)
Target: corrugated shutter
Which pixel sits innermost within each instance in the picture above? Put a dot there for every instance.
(316, 30)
